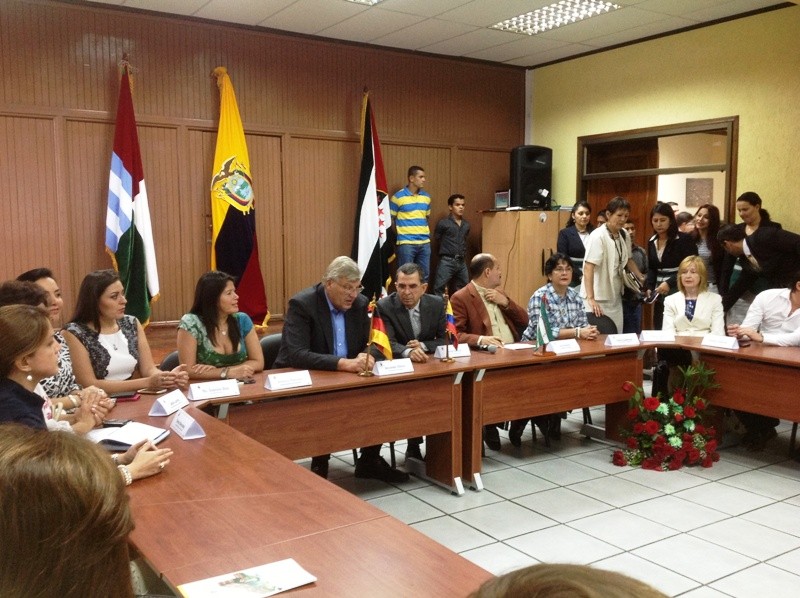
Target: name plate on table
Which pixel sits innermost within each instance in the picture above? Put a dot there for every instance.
(214, 390)
(622, 340)
(169, 403)
(657, 336)
(462, 351)
(562, 347)
(287, 380)
(393, 366)
(187, 427)
(720, 341)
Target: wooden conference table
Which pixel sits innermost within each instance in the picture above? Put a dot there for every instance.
(227, 502)
(759, 379)
(511, 385)
(341, 410)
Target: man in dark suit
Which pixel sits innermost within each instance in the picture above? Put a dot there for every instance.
(485, 316)
(415, 324)
(770, 253)
(327, 327)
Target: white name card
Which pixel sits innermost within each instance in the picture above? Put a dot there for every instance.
(393, 366)
(186, 426)
(720, 341)
(284, 380)
(462, 351)
(168, 403)
(562, 347)
(622, 340)
(657, 336)
(215, 389)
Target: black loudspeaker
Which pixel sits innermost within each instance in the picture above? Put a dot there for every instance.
(531, 177)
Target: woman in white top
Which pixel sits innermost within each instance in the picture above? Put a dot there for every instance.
(109, 349)
(608, 252)
(693, 311)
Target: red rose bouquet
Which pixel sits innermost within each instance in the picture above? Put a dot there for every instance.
(667, 434)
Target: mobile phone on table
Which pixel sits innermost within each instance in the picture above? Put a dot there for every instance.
(124, 396)
(115, 423)
(152, 391)
(247, 380)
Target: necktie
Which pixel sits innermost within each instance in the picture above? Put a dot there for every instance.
(416, 325)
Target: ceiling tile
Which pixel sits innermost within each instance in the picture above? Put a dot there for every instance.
(175, 7)
(247, 12)
(312, 16)
(422, 8)
(473, 41)
(369, 25)
(413, 38)
(486, 13)
(520, 49)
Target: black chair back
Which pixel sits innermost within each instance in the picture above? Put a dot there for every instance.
(270, 345)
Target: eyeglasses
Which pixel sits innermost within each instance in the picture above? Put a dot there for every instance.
(350, 289)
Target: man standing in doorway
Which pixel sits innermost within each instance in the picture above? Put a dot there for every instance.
(451, 232)
(410, 208)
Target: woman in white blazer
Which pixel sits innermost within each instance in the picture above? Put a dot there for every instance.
(693, 311)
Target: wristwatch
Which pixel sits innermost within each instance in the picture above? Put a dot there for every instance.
(224, 374)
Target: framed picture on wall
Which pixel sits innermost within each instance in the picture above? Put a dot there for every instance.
(699, 192)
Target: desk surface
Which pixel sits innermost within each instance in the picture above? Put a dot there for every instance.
(227, 502)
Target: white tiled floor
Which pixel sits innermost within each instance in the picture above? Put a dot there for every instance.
(732, 530)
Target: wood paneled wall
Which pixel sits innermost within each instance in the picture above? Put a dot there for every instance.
(300, 101)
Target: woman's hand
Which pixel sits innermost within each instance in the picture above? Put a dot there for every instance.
(88, 416)
(663, 289)
(144, 459)
(241, 371)
(595, 307)
(180, 376)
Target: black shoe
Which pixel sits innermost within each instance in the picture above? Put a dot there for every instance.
(760, 439)
(491, 437)
(413, 452)
(319, 465)
(515, 431)
(555, 426)
(379, 469)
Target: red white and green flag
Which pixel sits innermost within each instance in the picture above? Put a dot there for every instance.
(129, 233)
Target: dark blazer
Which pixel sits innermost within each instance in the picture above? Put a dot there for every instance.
(398, 322)
(729, 261)
(678, 247)
(307, 338)
(569, 242)
(777, 252)
(472, 319)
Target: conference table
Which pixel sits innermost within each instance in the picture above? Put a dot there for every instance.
(227, 502)
(517, 384)
(341, 410)
(759, 378)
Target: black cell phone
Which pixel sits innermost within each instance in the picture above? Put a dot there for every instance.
(115, 423)
(248, 380)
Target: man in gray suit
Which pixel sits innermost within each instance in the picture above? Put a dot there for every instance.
(415, 324)
(327, 327)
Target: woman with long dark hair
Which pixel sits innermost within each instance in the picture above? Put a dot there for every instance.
(109, 349)
(215, 339)
(572, 238)
(706, 226)
(736, 298)
(666, 249)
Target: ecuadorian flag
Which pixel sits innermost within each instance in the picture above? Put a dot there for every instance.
(234, 248)
(450, 324)
(129, 233)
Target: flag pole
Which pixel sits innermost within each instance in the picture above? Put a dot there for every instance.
(366, 372)
(447, 358)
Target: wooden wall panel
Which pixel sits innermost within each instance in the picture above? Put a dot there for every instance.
(300, 101)
(30, 215)
(317, 227)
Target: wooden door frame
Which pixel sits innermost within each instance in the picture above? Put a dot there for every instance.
(730, 124)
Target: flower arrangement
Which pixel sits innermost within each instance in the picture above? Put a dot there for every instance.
(667, 434)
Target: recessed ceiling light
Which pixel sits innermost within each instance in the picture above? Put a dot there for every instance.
(367, 2)
(557, 14)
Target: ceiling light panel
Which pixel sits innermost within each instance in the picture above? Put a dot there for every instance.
(555, 15)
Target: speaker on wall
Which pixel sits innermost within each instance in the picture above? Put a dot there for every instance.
(531, 177)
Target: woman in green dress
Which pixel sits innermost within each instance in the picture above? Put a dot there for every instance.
(216, 340)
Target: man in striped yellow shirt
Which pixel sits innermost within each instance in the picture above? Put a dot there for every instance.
(410, 208)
